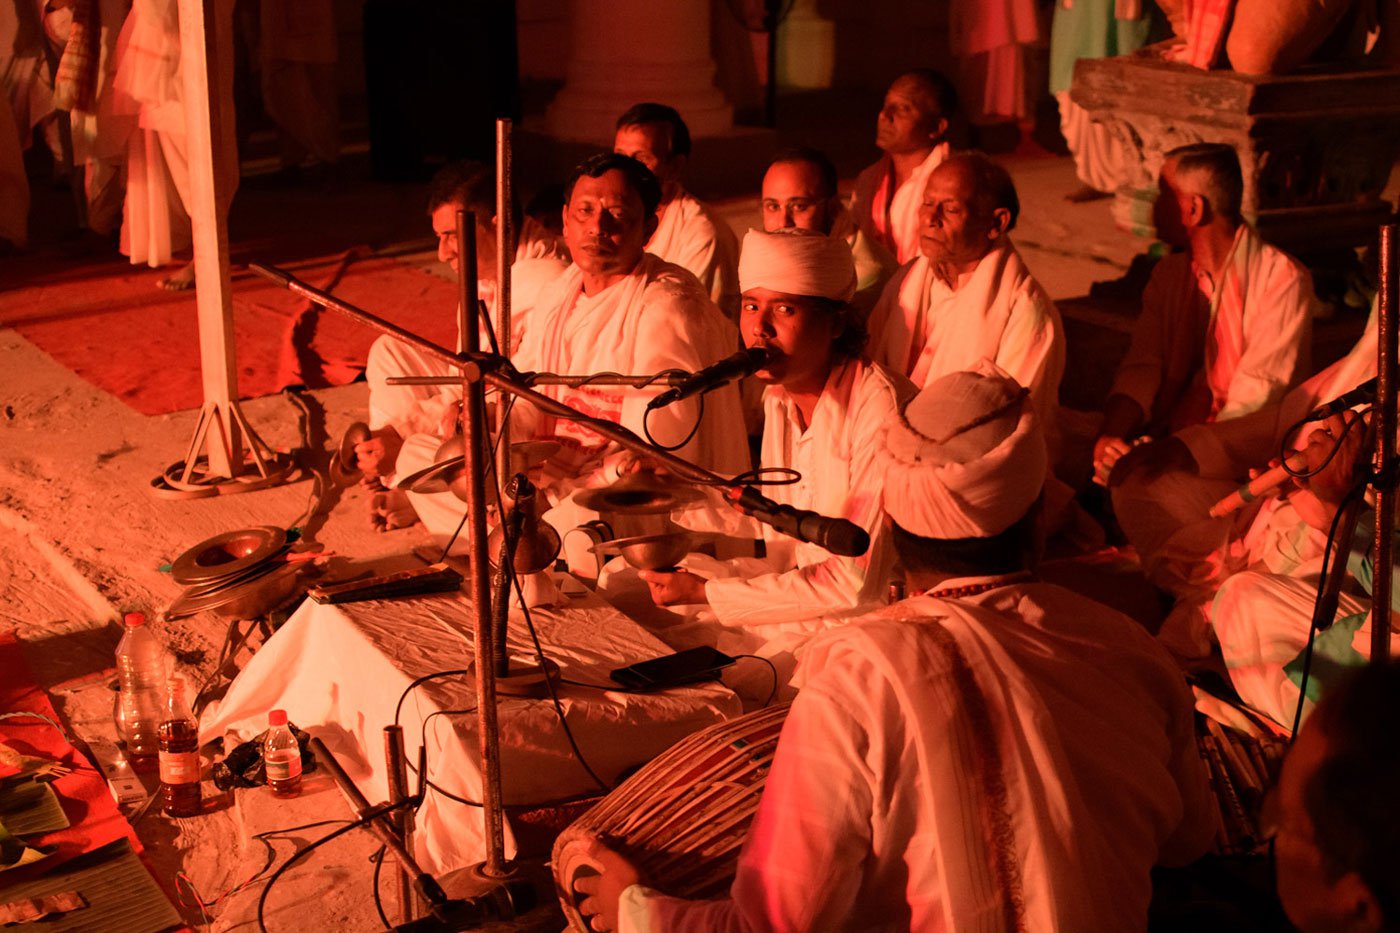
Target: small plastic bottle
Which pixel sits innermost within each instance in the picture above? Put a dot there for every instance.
(179, 756)
(281, 756)
(141, 672)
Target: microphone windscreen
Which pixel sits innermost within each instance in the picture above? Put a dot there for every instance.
(844, 538)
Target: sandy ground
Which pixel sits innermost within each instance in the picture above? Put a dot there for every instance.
(84, 540)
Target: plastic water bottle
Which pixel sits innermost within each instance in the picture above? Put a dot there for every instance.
(281, 756)
(141, 672)
(179, 756)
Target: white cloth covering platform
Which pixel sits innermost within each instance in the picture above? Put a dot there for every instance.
(339, 670)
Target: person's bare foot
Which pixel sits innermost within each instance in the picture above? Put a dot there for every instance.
(1085, 193)
(390, 510)
(181, 281)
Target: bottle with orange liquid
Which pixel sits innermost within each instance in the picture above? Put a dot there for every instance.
(179, 756)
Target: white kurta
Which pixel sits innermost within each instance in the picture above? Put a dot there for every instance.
(420, 409)
(655, 319)
(1015, 760)
(999, 312)
(799, 586)
(692, 236)
(1210, 351)
(1189, 554)
(149, 84)
(893, 221)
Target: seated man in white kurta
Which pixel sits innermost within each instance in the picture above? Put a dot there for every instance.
(799, 190)
(1226, 323)
(911, 130)
(1163, 492)
(1263, 620)
(994, 754)
(969, 296)
(395, 412)
(688, 233)
(616, 309)
(824, 409)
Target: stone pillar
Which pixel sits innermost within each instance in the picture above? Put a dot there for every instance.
(628, 51)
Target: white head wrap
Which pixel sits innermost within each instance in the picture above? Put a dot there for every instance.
(966, 458)
(798, 262)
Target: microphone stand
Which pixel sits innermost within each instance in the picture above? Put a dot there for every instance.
(1385, 478)
(501, 902)
(477, 370)
(1383, 475)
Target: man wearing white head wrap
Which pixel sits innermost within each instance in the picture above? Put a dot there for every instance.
(957, 761)
(966, 458)
(824, 410)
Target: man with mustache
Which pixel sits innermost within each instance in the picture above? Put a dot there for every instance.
(616, 309)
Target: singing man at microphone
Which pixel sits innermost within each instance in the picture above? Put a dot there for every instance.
(825, 410)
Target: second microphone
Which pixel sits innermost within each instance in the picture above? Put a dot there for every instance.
(736, 366)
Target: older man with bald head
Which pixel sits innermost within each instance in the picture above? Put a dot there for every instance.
(968, 295)
(912, 131)
(1226, 322)
(799, 191)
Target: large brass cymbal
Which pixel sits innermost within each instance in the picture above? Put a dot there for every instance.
(447, 473)
(640, 493)
(227, 554)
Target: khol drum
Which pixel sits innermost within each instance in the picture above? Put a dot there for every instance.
(682, 818)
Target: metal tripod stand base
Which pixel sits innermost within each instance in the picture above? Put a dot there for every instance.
(223, 429)
(525, 679)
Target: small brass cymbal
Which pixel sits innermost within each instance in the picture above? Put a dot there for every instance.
(343, 463)
(640, 493)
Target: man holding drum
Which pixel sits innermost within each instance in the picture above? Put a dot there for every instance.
(994, 753)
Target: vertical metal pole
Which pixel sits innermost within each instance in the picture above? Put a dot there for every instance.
(397, 767)
(474, 435)
(1389, 321)
(506, 236)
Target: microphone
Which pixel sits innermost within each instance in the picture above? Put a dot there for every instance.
(1366, 392)
(737, 366)
(837, 535)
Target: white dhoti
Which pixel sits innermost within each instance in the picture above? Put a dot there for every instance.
(1262, 621)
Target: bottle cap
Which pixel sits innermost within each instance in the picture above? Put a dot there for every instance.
(277, 717)
(133, 619)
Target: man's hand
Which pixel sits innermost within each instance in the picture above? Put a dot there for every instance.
(1345, 433)
(1108, 450)
(377, 456)
(674, 587)
(603, 891)
(1151, 459)
(451, 423)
